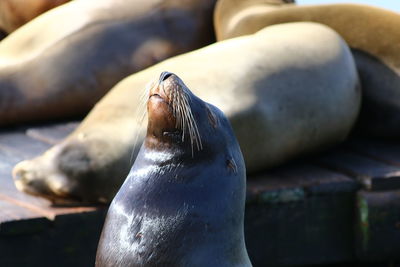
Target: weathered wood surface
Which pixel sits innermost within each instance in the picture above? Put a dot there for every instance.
(371, 173)
(299, 215)
(16, 146)
(51, 134)
(32, 231)
(339, 206)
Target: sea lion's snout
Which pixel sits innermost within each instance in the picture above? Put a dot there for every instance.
(26, 179)
(160, 107)
(169, 110)
(22, 176)
(40, 177)
(165, 87)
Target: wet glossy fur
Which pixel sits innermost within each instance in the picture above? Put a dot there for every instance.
(177, 208)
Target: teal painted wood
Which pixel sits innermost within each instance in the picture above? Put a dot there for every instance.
(378, 225)
(300, 214)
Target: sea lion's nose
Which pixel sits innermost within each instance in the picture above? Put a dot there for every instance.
(164, 75)
(25, 177)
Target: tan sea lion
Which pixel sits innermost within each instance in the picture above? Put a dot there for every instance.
(372, 33)
(15, 13)
(182, 203)
(293, 90)
(61, 63)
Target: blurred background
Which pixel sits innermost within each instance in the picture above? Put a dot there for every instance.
(388, 4)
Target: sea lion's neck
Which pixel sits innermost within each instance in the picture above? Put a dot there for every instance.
(163, 155)
(173, 143)
(161, 143)
(160, 157)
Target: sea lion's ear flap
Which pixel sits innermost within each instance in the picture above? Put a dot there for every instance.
(212, 118)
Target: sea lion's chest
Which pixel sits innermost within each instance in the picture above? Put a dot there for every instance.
(159, 215)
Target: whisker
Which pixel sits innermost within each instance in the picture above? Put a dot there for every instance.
(140, 116)
(190, 123)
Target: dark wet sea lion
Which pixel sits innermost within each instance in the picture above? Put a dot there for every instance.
(61, 63)
(281, 104)
(182, 203)
(15, 13)
(372, 33)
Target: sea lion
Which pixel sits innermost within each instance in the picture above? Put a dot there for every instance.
(372, 33)
(2, 35)
(182, 203)
(61, 63)
(15, 13)
(293, 90)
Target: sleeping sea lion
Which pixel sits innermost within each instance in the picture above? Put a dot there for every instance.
(15, 13)
(182, 203)
(61, 63)
(372, 33)
(292, 89)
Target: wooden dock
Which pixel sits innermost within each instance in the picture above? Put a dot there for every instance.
(340, 206)
(32, 232)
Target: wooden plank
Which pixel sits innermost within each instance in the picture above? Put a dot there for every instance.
(294, 181)
(315, 230)
(387, 151)
(378, 225)
(52, 134)
(372, 174)
(9, 193)
(20, 146)
(7, 162)
(17, 147)
(16, 220)
(10, 212)
(44, 207)
(299, 214)
(70, 240)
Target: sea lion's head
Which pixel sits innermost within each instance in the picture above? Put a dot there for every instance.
(64, 174)
(180, 121)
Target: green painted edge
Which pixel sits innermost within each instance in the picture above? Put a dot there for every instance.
(364, 224)
(282, 196)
